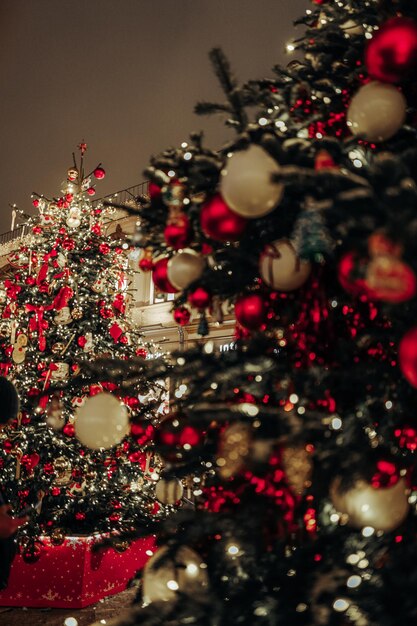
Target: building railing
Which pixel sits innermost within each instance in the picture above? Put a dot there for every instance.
(124, 196)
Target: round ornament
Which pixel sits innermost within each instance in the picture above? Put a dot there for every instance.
(219, 222)
(177, 232)
(250, 311)
(390, 279)
(77, 313)
(160, 276)
(57, 537)
(298, 468)
(184, 572)
(377, 112)
(32, 553)
(72, 174)
(383, 509)
(182, 315)
(169, 491)
(120, 546)
(199, 298)
(407, 354)
(101, 422)
(234, 446)
(99, 173)
(391, 55)
(177, 440)
(246, 183)
(281, 268)
(185, 268)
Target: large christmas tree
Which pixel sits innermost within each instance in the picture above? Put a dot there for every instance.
(301, 442)
(72, 450)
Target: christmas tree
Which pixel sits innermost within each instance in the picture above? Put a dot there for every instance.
(72, 452)
(300, 443)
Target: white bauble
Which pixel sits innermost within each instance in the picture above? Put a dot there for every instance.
(73, 222)
(377, 111)
(185, 267)
(383, 508)
(169, 491)
(246, 184)
(281, 268)
(184, 573)
(101, 422)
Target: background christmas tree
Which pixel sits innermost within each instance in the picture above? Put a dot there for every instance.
(64, 302)
(300, 442)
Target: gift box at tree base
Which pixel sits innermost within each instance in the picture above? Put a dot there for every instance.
(73, 574)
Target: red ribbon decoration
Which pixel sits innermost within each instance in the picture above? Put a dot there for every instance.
(12, 290)
(38, 323)
(62, 298)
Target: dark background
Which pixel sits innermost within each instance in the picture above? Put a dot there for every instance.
(123, 75)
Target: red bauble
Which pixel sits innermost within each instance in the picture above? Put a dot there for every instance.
(142, 352)
(160, 276)
(407, 353)
(182, 315)
(199, 298)
(177, 440)
(69, 430)
(99, 173)
(154, 190)
(391, 56)
(177, 233)
(91, 191)
(250, 311)
(348, 267)
(35, 202)
(143, 432)
(219, 222)
(32, 554)
(146, 264)
(390, 280)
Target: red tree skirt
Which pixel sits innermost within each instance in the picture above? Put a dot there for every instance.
(71, 575)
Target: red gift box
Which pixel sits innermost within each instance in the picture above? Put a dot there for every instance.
(72, 575)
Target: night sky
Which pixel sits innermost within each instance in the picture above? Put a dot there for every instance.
(124, 76)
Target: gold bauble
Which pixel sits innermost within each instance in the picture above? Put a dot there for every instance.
(57, 537)
(363, 505)
(298, 468)
(77, 313)
(120, 546)
(233, 449)
(169, 491)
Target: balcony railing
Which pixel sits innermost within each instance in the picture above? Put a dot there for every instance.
(124, 196)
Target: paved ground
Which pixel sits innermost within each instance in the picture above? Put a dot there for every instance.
(107, 609)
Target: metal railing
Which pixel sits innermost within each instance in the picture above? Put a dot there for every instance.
(124, 196)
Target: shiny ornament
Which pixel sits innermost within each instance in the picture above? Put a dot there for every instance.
(234, 445)
(77, 313)
(169, 491)
(160, 276)
(298, 468)
(183, 572)
(182, 315)
(57, 537)
(120, 546)
(281, 268)
(62, 469)
(58, 347)
(99, 173)
(383, 509)
(72, 174)
(250, 311)
(246, 182)
(185, 267)
(32, 553)
(176, 440)
(219, 222)
(199, 298)
(391, 55)
(91, 191)
(177, 232)
(407, 355)
(102, 422)
(377, 112)
(391, 280)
